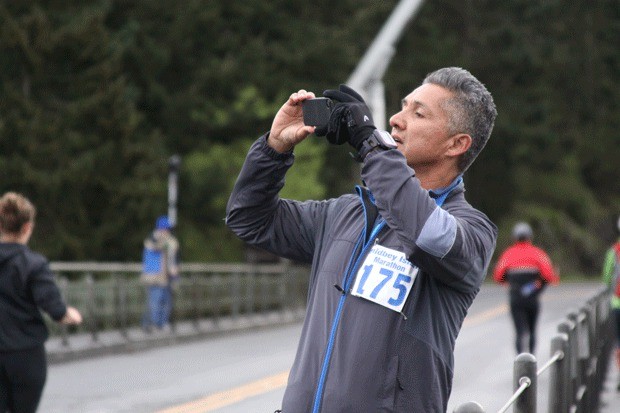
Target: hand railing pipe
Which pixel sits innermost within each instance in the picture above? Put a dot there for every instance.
(524, 382)
(555, 356)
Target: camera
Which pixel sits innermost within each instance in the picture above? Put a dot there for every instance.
(317, 111)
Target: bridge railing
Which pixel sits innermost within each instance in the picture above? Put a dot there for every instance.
(111, 297)
(579, 355)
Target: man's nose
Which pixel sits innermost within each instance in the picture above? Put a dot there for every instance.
(395, 120)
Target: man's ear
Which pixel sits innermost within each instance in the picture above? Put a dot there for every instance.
(26, 232)
(460, 143)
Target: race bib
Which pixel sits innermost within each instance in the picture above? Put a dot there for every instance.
(386, 278)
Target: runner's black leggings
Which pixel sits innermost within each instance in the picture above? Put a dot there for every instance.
(525, 316)
(22, 377)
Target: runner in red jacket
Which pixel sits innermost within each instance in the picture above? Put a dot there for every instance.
(527, 269)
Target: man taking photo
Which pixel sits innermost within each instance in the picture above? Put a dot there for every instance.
(395, 266)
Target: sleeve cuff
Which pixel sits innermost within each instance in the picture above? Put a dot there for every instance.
(272, 153)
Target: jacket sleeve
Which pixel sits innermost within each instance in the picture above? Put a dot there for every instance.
(44, 290)
(547, 272)
(257, 215)
(454, 244)
(172, 256)
(608, 266)
(499, 272)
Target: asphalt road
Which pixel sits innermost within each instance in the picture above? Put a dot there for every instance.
(246, 371)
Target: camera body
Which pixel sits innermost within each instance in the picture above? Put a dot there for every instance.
(317, 111)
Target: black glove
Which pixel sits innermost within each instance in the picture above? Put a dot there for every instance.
(351, 120)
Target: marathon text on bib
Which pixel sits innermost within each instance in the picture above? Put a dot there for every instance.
(386, 278)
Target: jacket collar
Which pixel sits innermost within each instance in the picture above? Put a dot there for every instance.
(441, 194)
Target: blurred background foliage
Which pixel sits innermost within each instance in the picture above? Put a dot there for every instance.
(96, 95)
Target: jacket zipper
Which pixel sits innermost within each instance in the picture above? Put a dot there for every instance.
(336, 321)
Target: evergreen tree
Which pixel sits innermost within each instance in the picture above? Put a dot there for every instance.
(96, 95)
(71, 138)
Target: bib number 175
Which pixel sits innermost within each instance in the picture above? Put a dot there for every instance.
(400, 285)
(386, 277)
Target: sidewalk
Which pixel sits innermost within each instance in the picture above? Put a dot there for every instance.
(135, 338)
(610, 396)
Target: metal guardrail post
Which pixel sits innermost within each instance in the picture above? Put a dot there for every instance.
(250, 284)
(92, 307)
(592, 357)
(63, 285)
(597, 358)
(121, 303)
(559, 377)
(574, 317)
(216, 294)
(568, 327)
(584, 359)
(236, 296)
(264, 280)
(284, 283)
(195, 294)
(581, 353)
(595, 314)
(606, 338)
(174, 309)
(600, 342)
(469, 407)
(292, 295)
(525, 376)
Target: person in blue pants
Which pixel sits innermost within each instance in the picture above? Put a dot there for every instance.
(160, 273)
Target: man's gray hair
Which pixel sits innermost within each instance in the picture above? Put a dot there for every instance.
(471, 111)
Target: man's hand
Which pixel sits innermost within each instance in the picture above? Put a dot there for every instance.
(288, 128)
(351, 120)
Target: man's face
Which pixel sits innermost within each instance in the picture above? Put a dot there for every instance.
(420, 129)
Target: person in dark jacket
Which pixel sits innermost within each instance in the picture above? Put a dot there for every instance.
(395, 266)
(26, 285)
(527, 270)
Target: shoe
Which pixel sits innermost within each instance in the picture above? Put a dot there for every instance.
(165, 328)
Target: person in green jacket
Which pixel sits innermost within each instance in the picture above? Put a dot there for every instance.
(611, 277)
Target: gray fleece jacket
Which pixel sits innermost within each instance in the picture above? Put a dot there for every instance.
(355, 355)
